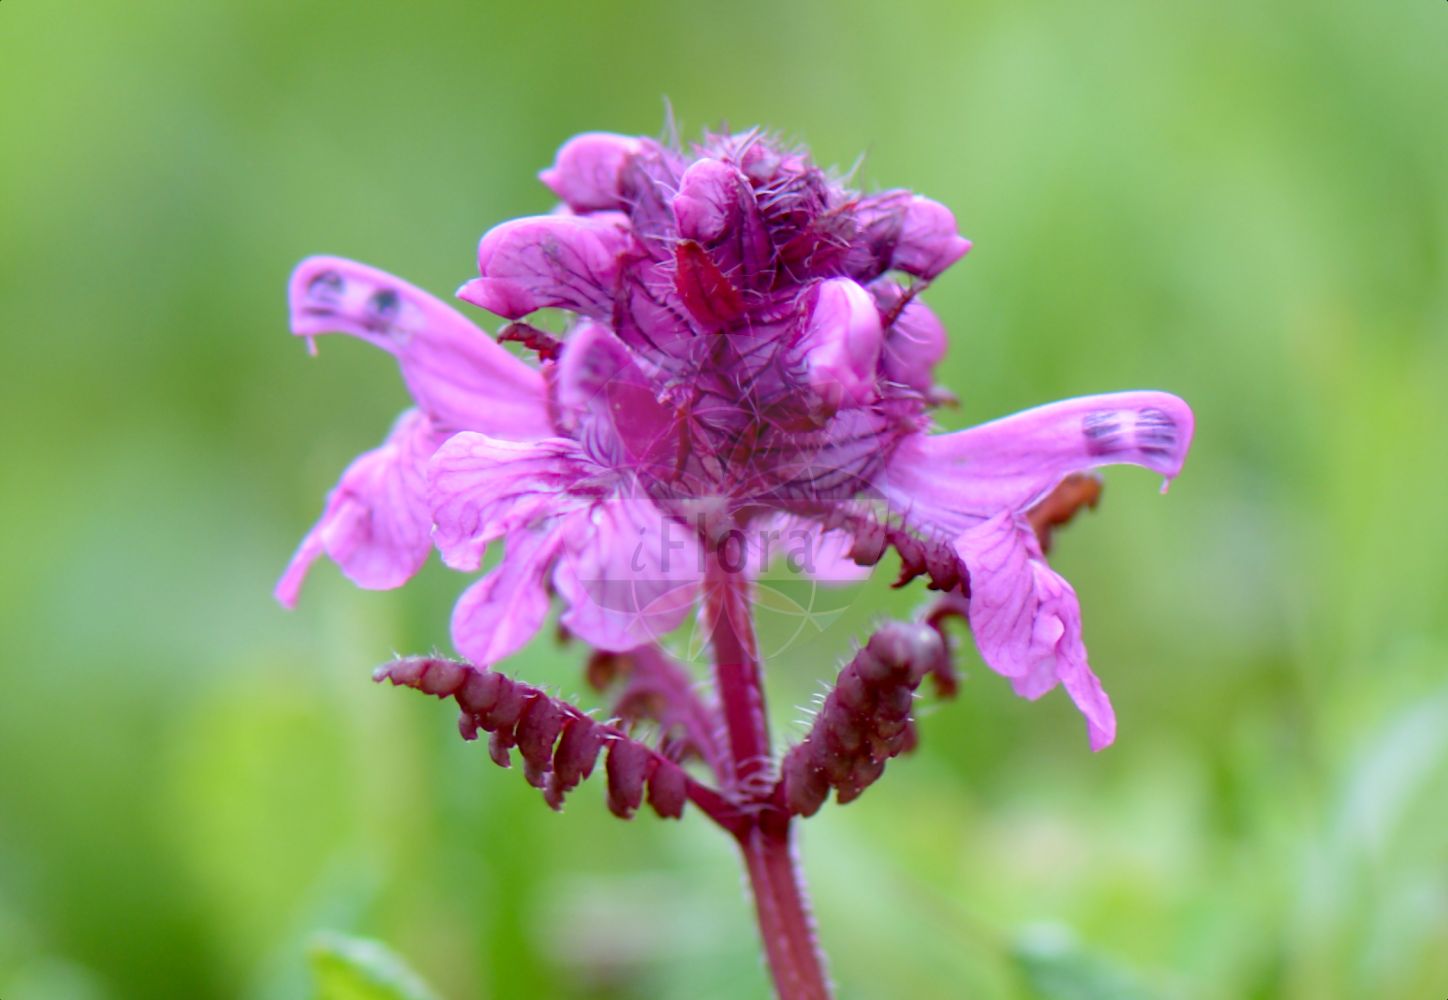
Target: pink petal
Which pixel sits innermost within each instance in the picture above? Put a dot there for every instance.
(841, 344)
(708, 200)
(929, 242)
(800, 545)
(457, 374)
(631, 574)
(716, 207)
(586, 173)
(954, 480)
(914, 343)
(829, 560)
(566, 262)
(648, 182)
(499, 614)
(607, 401)
(651, 316)
(1026, 620)
(901, 231)
(482, 488)
(375, 523)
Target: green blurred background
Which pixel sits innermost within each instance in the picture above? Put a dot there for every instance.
(1244, 203)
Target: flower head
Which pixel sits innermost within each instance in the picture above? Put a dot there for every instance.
(747, 347)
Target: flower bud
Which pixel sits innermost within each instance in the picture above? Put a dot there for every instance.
(864, 721)
(627, 768)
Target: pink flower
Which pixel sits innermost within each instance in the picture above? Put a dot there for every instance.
(976, 487)
(377, 522)
(749, 349)
(574, 510)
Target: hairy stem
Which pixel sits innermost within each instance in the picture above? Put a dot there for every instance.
(780, 905)
(737, 675)
(785, 925)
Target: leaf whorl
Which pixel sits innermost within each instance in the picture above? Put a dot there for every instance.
(559, 744)
(864, 721)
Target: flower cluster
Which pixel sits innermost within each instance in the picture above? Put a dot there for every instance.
(745, 348)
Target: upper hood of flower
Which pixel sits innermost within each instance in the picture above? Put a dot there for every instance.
(767, 342)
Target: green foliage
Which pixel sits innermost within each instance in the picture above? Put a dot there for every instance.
(1243, 203)
(348, 968)
(1054, 967)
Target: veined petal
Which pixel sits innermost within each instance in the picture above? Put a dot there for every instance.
(631, 573)
(1026, 621)
(481, 488)
(567, 262)
(499, 614)
(651, 316)
(841, 344)
(953, 481)
(605, 399)
(647, 182)
(375, 523)
(455, 371)
(587, 172)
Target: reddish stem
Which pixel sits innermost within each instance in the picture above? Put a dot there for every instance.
(785, 925)
(780, 905)
(737, 675)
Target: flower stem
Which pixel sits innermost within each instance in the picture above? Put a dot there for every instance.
(737, 675)
(780, 905)
(764, 835)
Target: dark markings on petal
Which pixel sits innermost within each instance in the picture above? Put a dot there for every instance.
(326, 285)
(382, 309)
(1155, 432)
(1103, 432)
